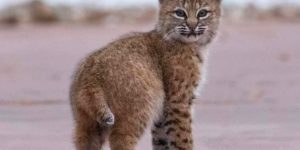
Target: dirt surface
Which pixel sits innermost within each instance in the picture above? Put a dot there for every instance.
(251, 100)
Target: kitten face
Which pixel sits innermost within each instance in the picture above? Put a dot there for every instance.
(189, 21)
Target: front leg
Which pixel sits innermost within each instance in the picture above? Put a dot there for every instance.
(160, 140)
(173, 129)
(178, 126)
(178, 121)
(181, 76)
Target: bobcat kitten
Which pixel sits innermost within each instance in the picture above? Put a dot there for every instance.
(145, 79)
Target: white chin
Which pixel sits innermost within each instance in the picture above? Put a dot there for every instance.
(190, 39)
(182, 38)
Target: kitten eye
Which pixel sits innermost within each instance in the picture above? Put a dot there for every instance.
(203, 13)
(180, 13)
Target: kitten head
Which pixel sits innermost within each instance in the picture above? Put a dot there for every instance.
(189, 21)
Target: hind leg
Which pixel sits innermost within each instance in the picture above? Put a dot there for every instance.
(131, 123)
(127, 132)
(88, 134)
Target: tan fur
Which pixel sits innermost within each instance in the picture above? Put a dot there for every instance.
(146, 78)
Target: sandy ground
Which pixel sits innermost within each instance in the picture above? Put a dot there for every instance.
(251, 101)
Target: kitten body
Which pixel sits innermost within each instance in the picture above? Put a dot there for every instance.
(145, 79)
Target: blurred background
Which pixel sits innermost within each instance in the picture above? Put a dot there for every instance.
(251, 100)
